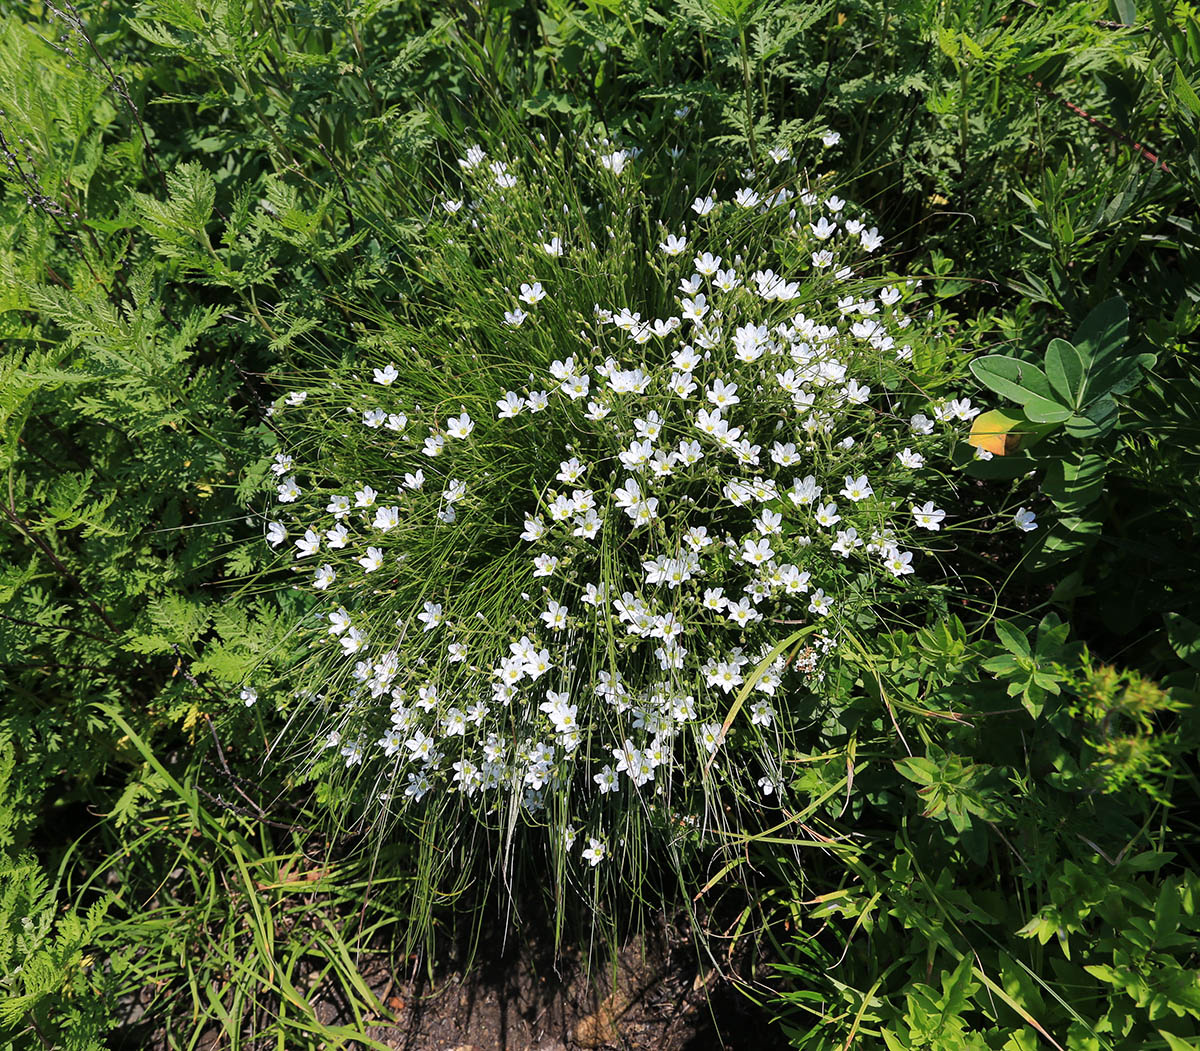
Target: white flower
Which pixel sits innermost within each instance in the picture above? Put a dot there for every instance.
(615, 162)
(396, 421)
(857, 488)
(595, 851)
(473, 159)
(673, 245)
(434, 444)
(372, 560)
(386, 518)
(545, 565)
(722, 394)
(898, 563)
(871, 239)
(431, 615)
(835, 204)
(921, 424)
(537, 400)
(248, 695)
(276, 533)
(827, 515)
(703, 205)
(288, 491)
(453, 207)
(515, 318)
(353, 641)
(296, 397)
(553, 247)
(532, 294)
(779, 154)
(414, 481)
(510, 405)
(747, 198)
(386, 376)
(309, 544)
(820, 603)
(823, 229)
(324, 577)
(831, 138)
(910, 459)
(337, 536)
(1025, 520)
(707, 264)
(555, 616)
(339, 621)
(928, 517)
(460, 426)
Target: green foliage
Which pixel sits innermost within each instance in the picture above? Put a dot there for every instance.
(995, 850)
(1014, 828)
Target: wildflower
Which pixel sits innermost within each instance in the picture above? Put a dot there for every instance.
(831, 138)
(555, 616)
(673, 245)
(927, 516)
(898, 563)
(510, 405)
(324, 577)
(857, 489)
(386, 518)
(515, 317)
(386, 376)
(460, 426)
(532, 293)
(289, 491)
(871, 239)
(595, 852)
(553, 247)
(309, 544)
(248, 695)
(1025, 520)
(372, 560)
(276, 533)
(913, 461)
(823, 229)
(431, 615)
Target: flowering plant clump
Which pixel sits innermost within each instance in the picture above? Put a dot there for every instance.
(587, 524)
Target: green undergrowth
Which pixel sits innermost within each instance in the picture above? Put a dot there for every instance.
(989, 837)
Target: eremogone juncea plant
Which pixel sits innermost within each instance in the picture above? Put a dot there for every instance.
(593, 510)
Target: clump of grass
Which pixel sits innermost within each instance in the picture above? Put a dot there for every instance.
(588, 516)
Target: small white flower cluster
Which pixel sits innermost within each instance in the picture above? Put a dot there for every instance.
(712, 481)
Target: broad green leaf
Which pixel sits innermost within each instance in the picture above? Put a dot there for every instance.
(1074, 483)
(1044, 410)
(1184, 636)
(1185, 92)
(1018, 380)
(1096, 422)
(1064, 370)
(1102, 334)
(1013, 638)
